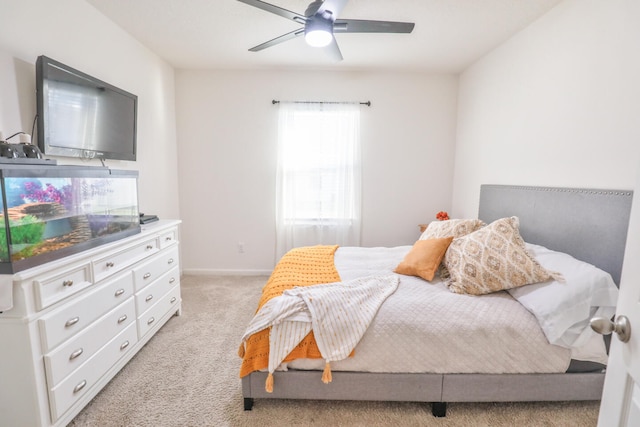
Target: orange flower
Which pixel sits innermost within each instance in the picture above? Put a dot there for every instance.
(442, 216)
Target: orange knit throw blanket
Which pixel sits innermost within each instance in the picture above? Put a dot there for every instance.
(305, 266)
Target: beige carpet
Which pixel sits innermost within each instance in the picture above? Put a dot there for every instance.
(187, 375)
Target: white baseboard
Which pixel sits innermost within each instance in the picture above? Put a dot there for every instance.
(223, 272)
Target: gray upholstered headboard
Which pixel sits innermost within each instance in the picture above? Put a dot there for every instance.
(589, 224)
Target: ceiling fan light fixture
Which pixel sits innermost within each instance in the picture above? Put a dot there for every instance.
(320, 23)
(318, 38)
(318, 32)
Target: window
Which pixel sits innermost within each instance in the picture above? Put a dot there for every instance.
(318, 194)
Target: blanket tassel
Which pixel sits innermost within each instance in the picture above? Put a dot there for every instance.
(326, 374)
(268, 386)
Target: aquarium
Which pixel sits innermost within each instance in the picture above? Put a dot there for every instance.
(49, 212)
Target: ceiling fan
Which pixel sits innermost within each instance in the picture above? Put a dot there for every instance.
(320, 23)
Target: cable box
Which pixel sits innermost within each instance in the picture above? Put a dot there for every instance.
(146, 219)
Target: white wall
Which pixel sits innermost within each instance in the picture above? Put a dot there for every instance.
(227, 131)
(75, 33)
(558, 104)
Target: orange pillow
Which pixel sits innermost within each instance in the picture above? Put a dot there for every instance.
(424, 258)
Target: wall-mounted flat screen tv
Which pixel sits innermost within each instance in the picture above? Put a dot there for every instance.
(82, 116)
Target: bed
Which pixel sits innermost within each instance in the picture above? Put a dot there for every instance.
(588, 224)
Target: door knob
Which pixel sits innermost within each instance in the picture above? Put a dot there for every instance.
(604, 326)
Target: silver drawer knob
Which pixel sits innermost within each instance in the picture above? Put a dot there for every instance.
(124, 345)
(67, 283)
(119, 292)
(148, 298)
(71, 322)
(80, 386)
(170, 261)
(76, 353)
(173, 279)
(146, 276)
(172, 300)
(150, 321)
(604, 326)
(122, 318)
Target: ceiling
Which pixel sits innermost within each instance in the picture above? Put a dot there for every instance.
(449, 35)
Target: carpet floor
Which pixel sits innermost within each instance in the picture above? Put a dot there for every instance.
(187, 375)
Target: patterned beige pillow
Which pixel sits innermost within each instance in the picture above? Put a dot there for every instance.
(492, 259)
(451, 228)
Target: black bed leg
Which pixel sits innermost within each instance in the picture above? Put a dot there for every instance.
(439, 409)
(248, 403)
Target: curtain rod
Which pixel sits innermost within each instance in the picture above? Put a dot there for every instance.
(367, 103)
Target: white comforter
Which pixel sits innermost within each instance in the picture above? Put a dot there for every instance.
(423, 327)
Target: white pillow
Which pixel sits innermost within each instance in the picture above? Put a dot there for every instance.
(564, 309)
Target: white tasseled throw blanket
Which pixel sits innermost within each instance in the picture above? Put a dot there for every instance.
(338, 313)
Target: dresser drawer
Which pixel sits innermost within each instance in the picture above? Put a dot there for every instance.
(51, 289)
(148, 296)
(110, 264)
(151, 317)
(64, 322)
(77, 350)
(168, 238)
(65, 394)
(148, 272)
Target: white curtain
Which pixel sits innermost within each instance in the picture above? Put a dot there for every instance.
(319, 175)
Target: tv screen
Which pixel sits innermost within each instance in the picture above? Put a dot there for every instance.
(82, 116)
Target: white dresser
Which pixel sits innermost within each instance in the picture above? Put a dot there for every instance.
(78, 320)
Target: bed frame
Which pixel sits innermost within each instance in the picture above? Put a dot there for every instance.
(589, 224)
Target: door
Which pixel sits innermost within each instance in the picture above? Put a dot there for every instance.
(620, 404)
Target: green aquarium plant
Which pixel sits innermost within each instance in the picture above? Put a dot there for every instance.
(27, 230)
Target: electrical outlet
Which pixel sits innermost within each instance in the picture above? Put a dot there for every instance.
(240, 247)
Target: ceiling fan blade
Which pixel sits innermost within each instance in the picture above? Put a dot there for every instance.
(334, 6)
(276, 10)
(313, 8)
(363, 26)
(278, 40)
(333, 50)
